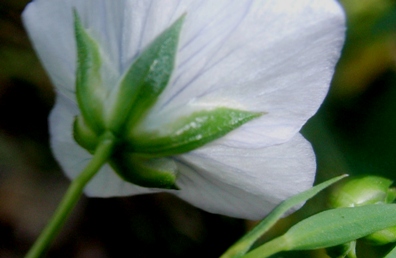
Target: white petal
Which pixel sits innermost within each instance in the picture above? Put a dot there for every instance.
(274, 56)
(122, 28)
(74, 159)
(245, 183)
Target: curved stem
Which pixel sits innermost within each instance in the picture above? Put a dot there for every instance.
(103, 151)
(272, 247)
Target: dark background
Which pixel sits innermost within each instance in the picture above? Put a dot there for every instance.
(354, 132)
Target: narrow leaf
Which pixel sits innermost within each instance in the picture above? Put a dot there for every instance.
(89, 90)
(333, 227)
(189, 133)
(337, 226)
(145, 79)
(245, 243)
(391, 254)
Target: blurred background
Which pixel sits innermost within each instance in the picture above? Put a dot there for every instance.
(354, 132)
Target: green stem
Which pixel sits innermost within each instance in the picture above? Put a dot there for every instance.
(103, 151)
(274, 246)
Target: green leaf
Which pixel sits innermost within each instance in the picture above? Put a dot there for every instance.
(391, 254)
(152, 173)
(89, 90)
(145, 80)
(245, 243)
(330, 228)
(337, 226)
(189, 133)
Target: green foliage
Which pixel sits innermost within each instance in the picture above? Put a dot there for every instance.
(337, 226)
(330, 228)
(391, 254)
(246, 242)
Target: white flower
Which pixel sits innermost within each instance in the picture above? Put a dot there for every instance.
(271, 56)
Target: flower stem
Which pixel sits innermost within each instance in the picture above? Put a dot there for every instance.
(272, 247)
(103, 151)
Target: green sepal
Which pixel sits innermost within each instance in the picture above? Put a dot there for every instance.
(89, 91)
(152, 173)
(84, 135)
(189, 133)
(144, 80)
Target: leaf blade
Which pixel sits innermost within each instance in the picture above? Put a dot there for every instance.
(245, 243)
(330, 228)
(342, 225)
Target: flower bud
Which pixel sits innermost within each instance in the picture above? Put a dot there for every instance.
(382, 237)
(362, 190)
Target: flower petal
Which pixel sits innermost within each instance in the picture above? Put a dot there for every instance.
(74, 159)
(274, 56)
(122, 28)
(245, 183)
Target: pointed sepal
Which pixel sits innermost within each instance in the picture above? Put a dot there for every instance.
(145, 80)
(153, 173)
(84, 135)
(189, 133)
(89, 91)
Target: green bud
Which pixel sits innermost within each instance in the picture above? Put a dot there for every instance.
(364, 190)
(360, 191)
(382, 237)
